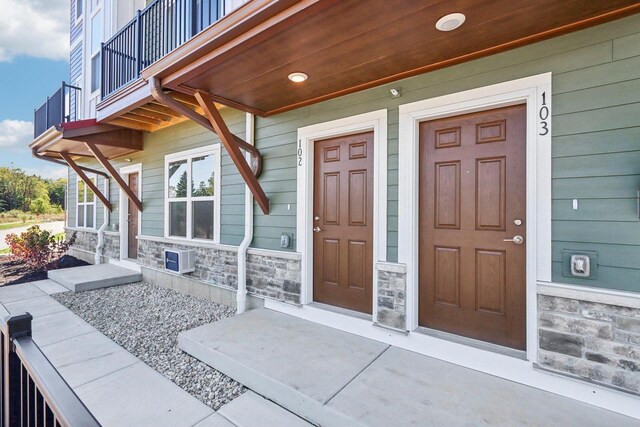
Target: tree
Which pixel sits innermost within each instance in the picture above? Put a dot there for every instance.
(40, 206)
(57, 189)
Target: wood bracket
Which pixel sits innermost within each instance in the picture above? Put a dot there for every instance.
(67, 158)
(233, 144)
(93, 148)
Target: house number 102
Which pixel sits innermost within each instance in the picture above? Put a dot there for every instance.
(543, 114)
(299, 153)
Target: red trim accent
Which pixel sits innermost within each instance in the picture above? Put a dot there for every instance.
(79, 124)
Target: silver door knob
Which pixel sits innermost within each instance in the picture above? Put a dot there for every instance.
(317, 229)
(518, 240)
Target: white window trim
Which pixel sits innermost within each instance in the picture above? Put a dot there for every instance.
(188, 155)
(96, 9)
(527, 90)
(77, 17)
(123, 202)
(85, 204)
(375, 121)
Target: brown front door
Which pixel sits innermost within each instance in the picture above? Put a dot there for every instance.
(343, 222)
(133, 218)
(472, 198)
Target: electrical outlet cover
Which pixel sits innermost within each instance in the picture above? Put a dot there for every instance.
(566, 263)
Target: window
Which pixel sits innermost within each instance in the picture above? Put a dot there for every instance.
(79, 9)
(96, 40)
(192, 194)
(85, 204)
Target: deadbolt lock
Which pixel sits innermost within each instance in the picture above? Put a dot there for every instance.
(517, 221)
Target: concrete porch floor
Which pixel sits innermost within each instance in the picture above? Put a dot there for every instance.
(91, 277)
(333, 378)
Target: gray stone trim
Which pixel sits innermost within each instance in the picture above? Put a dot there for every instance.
(604, 296)
(392, 296)
(82, 230)
(269, 276)
(590, 340)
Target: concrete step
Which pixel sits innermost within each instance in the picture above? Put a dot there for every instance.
(250, 410)
(89, 277)
(297, 364)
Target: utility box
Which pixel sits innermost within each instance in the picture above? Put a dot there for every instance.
(580, 264)
(180, 261)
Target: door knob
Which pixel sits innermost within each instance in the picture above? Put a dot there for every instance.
(317, 229)
(518, 240)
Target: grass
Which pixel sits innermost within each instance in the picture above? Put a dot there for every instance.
(10, 225)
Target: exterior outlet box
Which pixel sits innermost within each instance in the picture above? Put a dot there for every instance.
(286, 240)
(580, 264)
(180, 261)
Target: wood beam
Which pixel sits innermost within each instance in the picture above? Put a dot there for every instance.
(230, 143)
(153, 114)
(131, 124)
(141, 119)
(67, 158)
(185, 99)
(158, 108)
(115, 175)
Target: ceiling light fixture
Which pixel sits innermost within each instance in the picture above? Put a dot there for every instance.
(298, 77)
(450, 22)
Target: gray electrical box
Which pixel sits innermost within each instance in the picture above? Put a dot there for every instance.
(286, 240)
(580, 264)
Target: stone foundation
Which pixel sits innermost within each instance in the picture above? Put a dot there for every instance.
(392, 283)
(85, 240)
(269, 274)
(111, 247)
(592, 340)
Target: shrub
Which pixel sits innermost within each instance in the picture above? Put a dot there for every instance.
(40, 206)
(38, 248)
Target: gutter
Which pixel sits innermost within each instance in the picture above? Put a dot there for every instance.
(105, 223)
(241, 295)
(34, 152)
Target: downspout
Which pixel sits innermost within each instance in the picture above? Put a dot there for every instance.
(35, 154)
(105, 223)
(241, 296)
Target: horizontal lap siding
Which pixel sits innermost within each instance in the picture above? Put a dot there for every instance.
(76, 28)
(596, 148)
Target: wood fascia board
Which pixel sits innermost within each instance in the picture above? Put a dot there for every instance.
(114, 174)
(174, 76)
(229, 142)
(86, 180)
(124, 100)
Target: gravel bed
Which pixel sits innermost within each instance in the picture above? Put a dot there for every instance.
(145, 319)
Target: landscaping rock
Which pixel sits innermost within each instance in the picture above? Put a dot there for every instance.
(145, 319)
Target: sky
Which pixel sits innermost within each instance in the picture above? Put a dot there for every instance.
(34, 60)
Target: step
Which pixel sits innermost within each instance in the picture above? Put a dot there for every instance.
(250, 410)
(297, 364)
(89, 277)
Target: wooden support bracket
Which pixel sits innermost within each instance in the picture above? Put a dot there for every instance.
(115, 175)
(230, 143)
(67, 158)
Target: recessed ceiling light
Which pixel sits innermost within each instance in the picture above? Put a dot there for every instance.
(450, 22)
(298, 77)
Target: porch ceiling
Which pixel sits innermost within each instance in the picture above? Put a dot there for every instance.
(70, 138)
(349, 45)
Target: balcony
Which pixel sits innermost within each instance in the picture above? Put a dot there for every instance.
(157, 30)
(61, 107)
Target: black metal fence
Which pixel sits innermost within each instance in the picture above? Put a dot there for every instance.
(63, 106)
(32, 392)
(158, 29)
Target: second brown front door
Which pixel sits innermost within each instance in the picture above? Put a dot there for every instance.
(472, 225)
(133, 218)
(343, 222)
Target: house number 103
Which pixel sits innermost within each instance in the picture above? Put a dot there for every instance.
(543, 114)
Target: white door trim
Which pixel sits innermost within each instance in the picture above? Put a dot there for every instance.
(529, 90)
(376, 121)
(124, 209)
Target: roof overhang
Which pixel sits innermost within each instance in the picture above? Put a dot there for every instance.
(345, 46)
(71, 138)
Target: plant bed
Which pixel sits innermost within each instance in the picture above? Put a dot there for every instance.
(14, 271)
(145, 320)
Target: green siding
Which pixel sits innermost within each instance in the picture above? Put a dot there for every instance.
(596, 147)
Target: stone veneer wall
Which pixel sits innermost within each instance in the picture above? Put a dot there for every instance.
(590, 340)
(85, 240)
(111, 247)
(392, 282)
(269, 276)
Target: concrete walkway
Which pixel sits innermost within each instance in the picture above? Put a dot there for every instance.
(55, 227)
(116, 387)
(333, 378)
(91, 277)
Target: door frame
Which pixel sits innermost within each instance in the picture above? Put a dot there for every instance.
(528, 90)
(375, 121)
(124, 208)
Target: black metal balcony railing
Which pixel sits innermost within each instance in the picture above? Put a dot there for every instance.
(32, 392)
(63, 106)
(158, 29)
